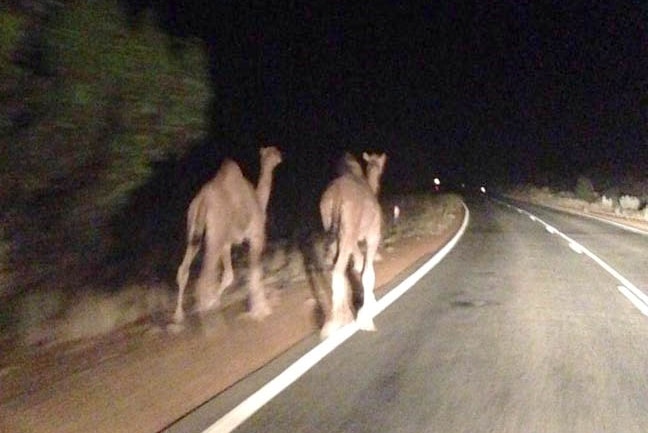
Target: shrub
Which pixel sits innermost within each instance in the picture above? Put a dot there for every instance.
(607, 203)
(585, 190)
(628, 202)
(107, 101)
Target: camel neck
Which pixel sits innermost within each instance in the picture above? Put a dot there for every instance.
(264, 186)
(373, 179)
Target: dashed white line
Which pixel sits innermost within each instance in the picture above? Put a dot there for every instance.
(551, 229)
(638, 298)
(576, 247)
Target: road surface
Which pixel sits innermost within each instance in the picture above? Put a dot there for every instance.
(513, 331)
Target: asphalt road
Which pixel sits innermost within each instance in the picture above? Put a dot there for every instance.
(512, 332)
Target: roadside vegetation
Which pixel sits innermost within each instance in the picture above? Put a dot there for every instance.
(94, 103)
(626, 198)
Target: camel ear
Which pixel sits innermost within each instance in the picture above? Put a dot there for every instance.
(365, 156)
(383, 159)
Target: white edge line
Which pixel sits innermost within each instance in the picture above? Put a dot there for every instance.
(632, 292)
(635, 301)
(254, 402)
(617, 224)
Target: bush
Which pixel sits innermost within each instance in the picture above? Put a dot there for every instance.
(628, 202)
(105, 100)
(585, 190)
(607, 203)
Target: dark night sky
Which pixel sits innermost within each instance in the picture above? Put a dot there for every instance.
(513, 89)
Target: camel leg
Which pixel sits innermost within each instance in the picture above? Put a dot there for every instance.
(330, 254)
(340, 309)
(182, 278)
(208, 272)
(367, 311)
(358, 261)
(332, 250)
(259, 307)
(228, 273)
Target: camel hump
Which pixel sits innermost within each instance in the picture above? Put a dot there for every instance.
(348, 164)
(230, 179)
(349, 189)
(230, 170)
(352, 187)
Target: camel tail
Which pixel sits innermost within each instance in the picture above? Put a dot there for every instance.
(330, 210)
(326, 211)
(196, 221)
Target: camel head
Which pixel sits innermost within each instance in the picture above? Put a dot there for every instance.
(375, 168)
(270, 157)
(375, 162)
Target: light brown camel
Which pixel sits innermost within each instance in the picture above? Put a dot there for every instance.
(347, 165)
(227, 210)
(350, 207)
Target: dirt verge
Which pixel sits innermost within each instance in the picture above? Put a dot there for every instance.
(143, 379)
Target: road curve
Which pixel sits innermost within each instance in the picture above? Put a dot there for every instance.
(513, 331)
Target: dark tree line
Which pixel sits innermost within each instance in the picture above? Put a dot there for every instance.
(96, 102)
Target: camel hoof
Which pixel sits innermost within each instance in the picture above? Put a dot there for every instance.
(210, 304)
(329, 329)
(365, 321)
(175, 328)
(367, 325)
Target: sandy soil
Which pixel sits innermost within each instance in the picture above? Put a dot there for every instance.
(143, 378)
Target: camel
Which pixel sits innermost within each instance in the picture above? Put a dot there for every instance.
(350, 208)
(347, 165)
(226, 211)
